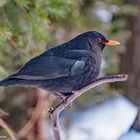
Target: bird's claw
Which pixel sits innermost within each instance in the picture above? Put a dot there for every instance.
(50, 110)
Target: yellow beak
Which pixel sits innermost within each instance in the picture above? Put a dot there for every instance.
(112, 42)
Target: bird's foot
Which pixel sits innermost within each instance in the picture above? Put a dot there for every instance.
(50, 110)
(64, 98)
(65, 101)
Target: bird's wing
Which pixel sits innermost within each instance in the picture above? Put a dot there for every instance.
(50, 67)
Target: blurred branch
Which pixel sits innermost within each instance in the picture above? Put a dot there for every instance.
(35, 115)
(13, 43)
(8, 129)
(3, 113)
(56, 112)
(43, 100)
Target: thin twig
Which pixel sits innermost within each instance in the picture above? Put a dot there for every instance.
(35, 115)
(43, 101)
(3, 113)
(55, 113)
(8, 129)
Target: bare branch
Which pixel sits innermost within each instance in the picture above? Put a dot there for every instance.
(55, 113)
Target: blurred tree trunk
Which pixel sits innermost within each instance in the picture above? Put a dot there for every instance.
(130, 61)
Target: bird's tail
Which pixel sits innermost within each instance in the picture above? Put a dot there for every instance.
(9, 81)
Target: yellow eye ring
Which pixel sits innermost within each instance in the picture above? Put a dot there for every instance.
(99, 40)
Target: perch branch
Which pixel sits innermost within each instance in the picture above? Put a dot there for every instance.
(56, 111)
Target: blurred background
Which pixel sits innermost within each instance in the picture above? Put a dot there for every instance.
(29, 27)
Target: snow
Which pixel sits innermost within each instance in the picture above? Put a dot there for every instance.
(106, 121)
(131, 135)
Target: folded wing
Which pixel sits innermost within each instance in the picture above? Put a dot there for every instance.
(50, 67)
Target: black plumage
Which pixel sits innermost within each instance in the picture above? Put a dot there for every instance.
(64, 68)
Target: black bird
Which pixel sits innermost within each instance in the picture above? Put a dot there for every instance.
(64, 68)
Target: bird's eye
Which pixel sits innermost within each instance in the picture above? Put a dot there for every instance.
(98, 40)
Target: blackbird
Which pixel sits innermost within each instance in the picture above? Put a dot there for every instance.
(64, 68)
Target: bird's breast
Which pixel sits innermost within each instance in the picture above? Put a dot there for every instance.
(93, 68)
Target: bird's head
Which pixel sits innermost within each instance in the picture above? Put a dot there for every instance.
(96, 39)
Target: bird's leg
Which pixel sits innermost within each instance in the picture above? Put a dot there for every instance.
(64, 101)
(70, 105)
(63, 97)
